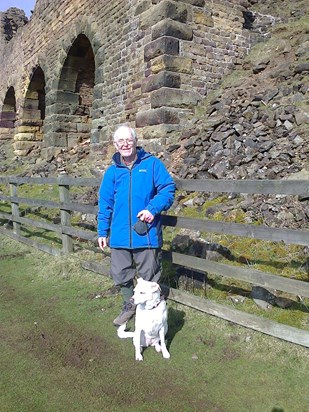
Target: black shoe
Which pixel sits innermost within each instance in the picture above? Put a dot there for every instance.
(127, 313)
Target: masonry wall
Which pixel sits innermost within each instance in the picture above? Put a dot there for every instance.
(78, 68)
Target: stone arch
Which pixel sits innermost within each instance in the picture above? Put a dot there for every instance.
(29, 134)
(71, 110)
(8, 115)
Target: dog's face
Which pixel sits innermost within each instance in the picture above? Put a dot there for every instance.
(145, 291)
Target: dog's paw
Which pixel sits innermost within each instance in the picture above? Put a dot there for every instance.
(121, 331)
(139, 357)
(158, 347)
(166, 355)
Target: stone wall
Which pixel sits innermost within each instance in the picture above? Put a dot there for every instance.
(78, 68)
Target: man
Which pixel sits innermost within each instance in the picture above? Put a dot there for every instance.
(135, 188)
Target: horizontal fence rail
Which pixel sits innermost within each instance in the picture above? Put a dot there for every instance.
(67, 232)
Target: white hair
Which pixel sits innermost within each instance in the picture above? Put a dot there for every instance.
(124, 126)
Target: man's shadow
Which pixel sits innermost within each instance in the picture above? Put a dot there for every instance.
(175, 324)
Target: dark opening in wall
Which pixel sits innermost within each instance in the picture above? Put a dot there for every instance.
(75, 92)
(248, 20)
(8, 114)
(35, 96)
(32, 114)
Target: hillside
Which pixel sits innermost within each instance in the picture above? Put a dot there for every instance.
(254, 126)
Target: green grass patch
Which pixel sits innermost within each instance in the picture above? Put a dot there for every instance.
(60, 351)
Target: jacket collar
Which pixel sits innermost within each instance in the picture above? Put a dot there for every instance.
(140, 153)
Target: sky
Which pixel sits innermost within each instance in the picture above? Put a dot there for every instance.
(25, 5)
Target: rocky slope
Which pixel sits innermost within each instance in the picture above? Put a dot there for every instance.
(256, 126)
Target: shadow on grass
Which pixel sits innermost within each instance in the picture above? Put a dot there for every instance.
(175, 324)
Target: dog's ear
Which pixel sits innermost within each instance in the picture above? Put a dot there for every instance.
(155, 286)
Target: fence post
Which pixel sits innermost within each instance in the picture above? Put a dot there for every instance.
(15, 208)
(65, 216)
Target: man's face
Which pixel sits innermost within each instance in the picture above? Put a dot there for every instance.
(125, 143)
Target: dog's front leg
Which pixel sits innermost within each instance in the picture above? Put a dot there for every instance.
(137, 345)
(165, 352)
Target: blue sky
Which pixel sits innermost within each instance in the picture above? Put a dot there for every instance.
(25, 5)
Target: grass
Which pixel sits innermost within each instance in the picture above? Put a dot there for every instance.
(59, 350)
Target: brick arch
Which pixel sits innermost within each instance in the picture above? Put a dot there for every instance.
(32, 114)
(8, 115)
(86, 27)
(71, 108)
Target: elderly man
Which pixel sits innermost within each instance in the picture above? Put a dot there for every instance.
(135, 189)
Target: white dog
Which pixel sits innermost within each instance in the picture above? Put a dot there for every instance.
(150, 319)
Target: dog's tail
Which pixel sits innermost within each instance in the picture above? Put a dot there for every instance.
(122, 333)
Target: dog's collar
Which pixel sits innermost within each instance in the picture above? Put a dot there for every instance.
(157, 303)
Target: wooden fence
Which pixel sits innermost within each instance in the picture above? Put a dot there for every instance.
(255, 277)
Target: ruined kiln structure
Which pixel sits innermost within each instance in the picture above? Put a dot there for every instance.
(78, 68)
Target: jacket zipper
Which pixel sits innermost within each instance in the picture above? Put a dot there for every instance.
(130, 207)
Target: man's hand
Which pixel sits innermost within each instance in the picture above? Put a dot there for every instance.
(102, 241)
(145, 216)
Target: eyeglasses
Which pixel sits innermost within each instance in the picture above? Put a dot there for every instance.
(122, 142)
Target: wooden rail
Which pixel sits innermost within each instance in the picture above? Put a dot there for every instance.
(67, 233)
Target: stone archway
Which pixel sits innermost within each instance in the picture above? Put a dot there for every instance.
(8, 115)
(29, 134)
(75, 94)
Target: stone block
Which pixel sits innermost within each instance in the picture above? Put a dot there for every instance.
(7, 124)
(68, 127)
(30, 114)
(76, 138)
(157, 116)
(301, 117)
(173, 98)
(142, 6)
(171, 28)
(198, 3)
(68, 97)
(27, 129)
(100, 75)
(22, 153)
(162, 79)
(29, 122)
(23, 145)
(24, 137)
(10, 116)
(200, 17)
(97, 91)
(67, 84)
(73, 141)
(31, 104)
(158, 132)
(162, 45)
(53, 139)
(6, 134)
(164, 10)
(57, 108)
(171, 63)
(83, 128)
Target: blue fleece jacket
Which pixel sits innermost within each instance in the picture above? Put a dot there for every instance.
(124, 192)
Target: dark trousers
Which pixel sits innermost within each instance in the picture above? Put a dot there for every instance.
(127, 263)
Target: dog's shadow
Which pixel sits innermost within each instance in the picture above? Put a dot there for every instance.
(175, 324)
